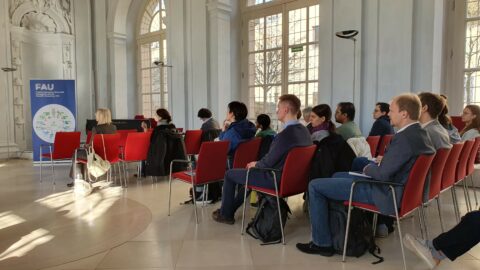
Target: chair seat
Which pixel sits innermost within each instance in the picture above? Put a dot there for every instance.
(183, 176)
(55, 156)
(366, 206)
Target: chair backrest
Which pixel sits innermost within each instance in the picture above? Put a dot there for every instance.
(246, 152)
(136, 146)
(89, 137)
(112, 146)
(384, 143)
(212, 162)
(438, 164)
(373, 141)
(461, 171)
(65, 143)
(296, 171)
(413, 191)
(193, 141)
(448, 174)
(473, 156)
(123, 135)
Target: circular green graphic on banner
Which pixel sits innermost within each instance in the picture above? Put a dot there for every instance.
(52, 118)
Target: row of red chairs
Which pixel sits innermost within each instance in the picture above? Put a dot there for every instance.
(448, 167)
(379, 143)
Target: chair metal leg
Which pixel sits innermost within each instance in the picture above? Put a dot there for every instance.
(278, 205)
(374, 223)
(467, 195)
(398, 224)
(244, 203)
(474, 189)
(420, 224)
(424, 217)
(440, 212)
(41, 164)
(170, 189)
(203, 195)
(345, 242)
(51, 164)
(455, 204)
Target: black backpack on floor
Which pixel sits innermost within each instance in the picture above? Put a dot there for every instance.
(265, 226)
(360, 236)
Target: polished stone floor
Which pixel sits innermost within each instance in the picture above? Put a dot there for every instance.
(43, 226)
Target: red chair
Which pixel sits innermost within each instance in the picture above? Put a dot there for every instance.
(193, 141)
(246, 152)
(294, 179)
(136, 149)
(411, 200)
(107, 146)
(435, 187)
(210, 168)
(89, 137)
(471, 169)
(448, 174)
(123, 136)
(461, 172)
(373, 141)
(384, 143)
(64, 145)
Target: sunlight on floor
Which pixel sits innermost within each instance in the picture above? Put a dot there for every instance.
(27, 243)
(8, 219)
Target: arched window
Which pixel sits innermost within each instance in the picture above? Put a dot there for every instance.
(152, 47)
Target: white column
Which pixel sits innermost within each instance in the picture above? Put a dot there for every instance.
(220, 13)
(118, 75)
(102, 98)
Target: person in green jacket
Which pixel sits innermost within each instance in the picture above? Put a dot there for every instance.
(344, 115)
(263, 126)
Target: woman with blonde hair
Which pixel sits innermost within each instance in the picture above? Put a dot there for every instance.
(471, 118)
(104, 126)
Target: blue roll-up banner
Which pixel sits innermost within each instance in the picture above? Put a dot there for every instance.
(53, 109)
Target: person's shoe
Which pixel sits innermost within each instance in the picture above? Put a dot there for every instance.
(381, 231)
(420, 249)
(311, 248)
(221, 219)
(70, 184)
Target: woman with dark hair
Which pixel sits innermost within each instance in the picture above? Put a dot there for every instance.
(164, 119)
(446, 122)
(321, 122)
(471, 118)
(236, 127)
(208, 122)
(263, 124)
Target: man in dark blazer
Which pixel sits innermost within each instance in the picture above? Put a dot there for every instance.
(409, 142)
(382, 125)
(293, 135)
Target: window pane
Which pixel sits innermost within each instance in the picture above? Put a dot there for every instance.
(299, 90)
(145, 56)
(256, 34)
(256, 69)
(164, 19)
(146, 106)
(472, 85)
(154, 53)
(146, 86)
(473, 8)
(297, 26)
(273, 68)
(313, 62)
(472, 45)
(312, 96)
(155, 25)
(314, 23)
(156, 102)
(296, 64)
(274, 31)
(155, 74)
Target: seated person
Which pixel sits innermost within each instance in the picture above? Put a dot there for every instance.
(104, 126)
(452, 244)
(294, 134)
(321, 124)
(208, 122)
(345, 114)
(381, 126)
(306, 116)
(263, 126)
(432, 106)
(409, 142)
(471, 118)
(236, 127)
(446, 122)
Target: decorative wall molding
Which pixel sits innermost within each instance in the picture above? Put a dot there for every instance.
(54, 16)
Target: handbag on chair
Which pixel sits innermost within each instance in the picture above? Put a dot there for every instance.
(95, 164)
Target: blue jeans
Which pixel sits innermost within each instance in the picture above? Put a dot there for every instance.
(235, 179)
(360, 162)
(320, 190)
